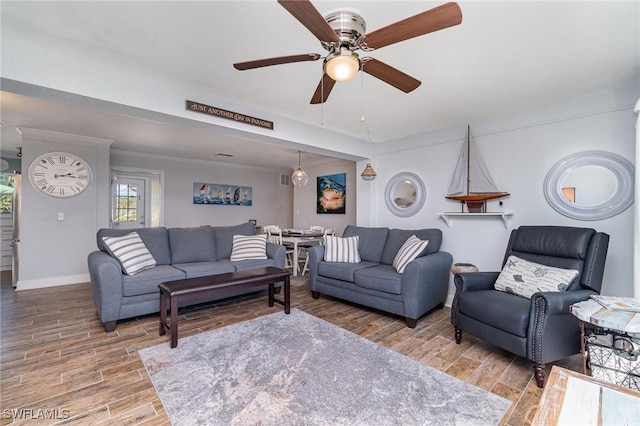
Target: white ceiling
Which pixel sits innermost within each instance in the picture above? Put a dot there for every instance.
(505, 56)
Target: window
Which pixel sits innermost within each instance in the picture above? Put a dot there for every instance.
(126, 202)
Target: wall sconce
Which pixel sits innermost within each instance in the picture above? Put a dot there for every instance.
(368, 173)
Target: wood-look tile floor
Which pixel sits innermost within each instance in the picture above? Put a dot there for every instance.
(58, 364)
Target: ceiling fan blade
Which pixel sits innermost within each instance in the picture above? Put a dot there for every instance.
(276, 61)
(390, 75)
(309, 16)
(438, 18)
(323, 90)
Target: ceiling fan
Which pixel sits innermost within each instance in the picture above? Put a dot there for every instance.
(342, 33)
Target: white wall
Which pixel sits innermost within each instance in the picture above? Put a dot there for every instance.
(54, 252)
(272, 203)
(305, 200)
(519, 149)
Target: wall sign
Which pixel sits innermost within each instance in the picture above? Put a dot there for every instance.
(229, 115)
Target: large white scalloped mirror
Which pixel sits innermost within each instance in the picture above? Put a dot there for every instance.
(590, 185)
(405, 194)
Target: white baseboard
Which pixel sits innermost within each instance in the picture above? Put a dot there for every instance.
(52, 281)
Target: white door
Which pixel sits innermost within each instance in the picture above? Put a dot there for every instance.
(128, 203)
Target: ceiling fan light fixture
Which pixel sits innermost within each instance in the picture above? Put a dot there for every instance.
(299, 177)
(342, 67)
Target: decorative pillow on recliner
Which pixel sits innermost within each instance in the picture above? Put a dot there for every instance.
(410, 250)
(249, 247)
(525, 278)
(344, 250)
(131, 252)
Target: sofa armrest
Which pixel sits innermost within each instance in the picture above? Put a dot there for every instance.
(106, 285)
(316, 255)
(425, 280)
(558, 302)
(554, 332)
(474, 281)
(276, 252)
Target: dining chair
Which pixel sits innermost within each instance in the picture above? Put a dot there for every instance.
(325, 232)
(274, 235)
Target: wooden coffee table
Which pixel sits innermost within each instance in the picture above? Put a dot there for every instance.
(194, 288)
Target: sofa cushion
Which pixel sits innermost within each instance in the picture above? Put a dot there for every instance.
(411, 249)
(497, 309)
(155, 239)
(202, 269)
(342, 271)
(381, 278)
(524, 278)
(397, 237)
(146, 282)
(224, 237)
(130, 252)
(249, 247)
(372, 241)
(344, 250)
(192, 244)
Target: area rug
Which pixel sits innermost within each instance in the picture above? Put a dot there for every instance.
(300, 370)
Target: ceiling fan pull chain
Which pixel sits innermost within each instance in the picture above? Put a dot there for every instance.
(362, 97)
(322, 99)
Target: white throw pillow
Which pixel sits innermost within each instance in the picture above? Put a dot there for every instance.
(249, 247)
(525, 278)
(408, 252)
(131, 252)
(344, 250)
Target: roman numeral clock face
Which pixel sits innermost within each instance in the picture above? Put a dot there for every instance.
(59, 174)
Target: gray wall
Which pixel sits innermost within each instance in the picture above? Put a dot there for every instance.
(54, 252)
(272, 203)
(519, 149)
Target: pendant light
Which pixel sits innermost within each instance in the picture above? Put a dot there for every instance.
(299, 177)
(368, 173)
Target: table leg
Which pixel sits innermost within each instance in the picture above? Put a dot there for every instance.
(174, 321)
(163, 313)
(287, 295)
(295, 257)
(582, 349)
(271, 294)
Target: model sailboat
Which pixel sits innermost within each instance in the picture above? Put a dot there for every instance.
(471, 183)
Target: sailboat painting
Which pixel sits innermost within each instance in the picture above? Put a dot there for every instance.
(472, 183)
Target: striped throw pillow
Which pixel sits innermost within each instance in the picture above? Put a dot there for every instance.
(131, 252)
(249, 247)
(344, 250)
(411, 249)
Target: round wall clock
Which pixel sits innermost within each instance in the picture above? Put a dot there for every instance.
(59, 174)
(4, 164)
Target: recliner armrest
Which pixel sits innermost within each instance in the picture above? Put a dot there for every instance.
(474, 281)
(558, 302)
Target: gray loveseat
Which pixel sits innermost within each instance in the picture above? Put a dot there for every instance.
(179, 253)
(374, 282)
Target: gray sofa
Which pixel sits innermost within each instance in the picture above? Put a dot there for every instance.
(374, 282)
(179, 253)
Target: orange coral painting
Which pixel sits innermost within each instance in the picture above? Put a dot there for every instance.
(332, 193)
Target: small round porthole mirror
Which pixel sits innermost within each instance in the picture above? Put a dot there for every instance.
(405, 194)
(590, 185)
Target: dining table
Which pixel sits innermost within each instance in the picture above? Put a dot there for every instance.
(295, 237)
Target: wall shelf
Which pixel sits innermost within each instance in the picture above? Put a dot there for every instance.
(449, 216)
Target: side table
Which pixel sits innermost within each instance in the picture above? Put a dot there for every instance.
(458, 268)
(620, 355)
